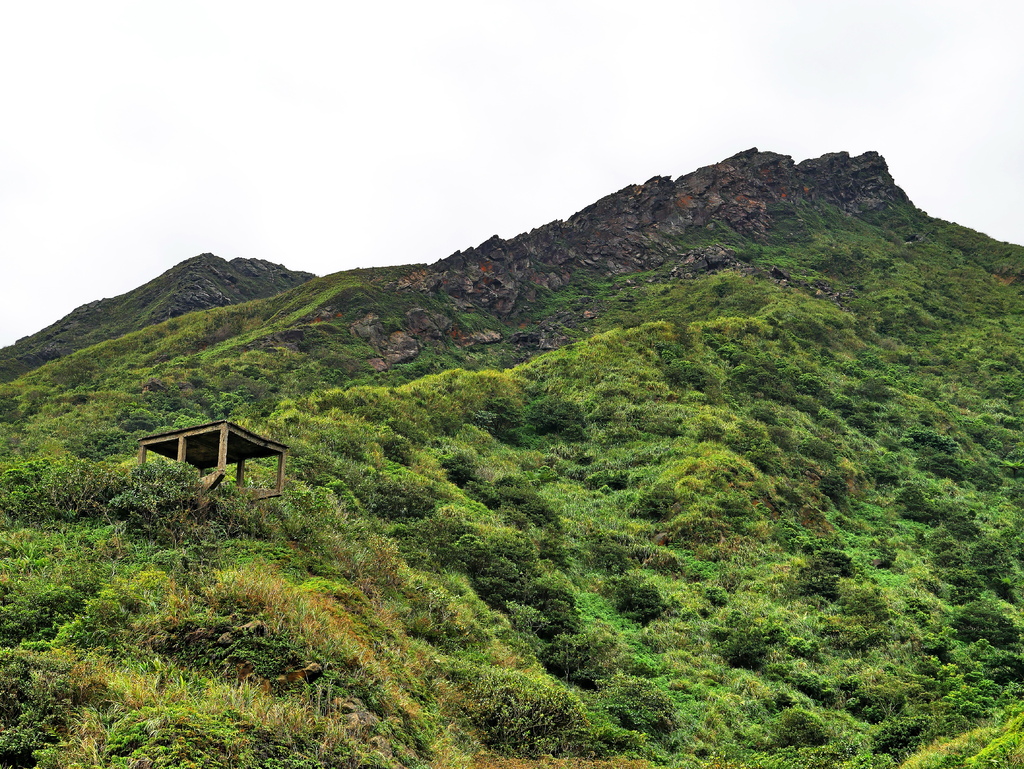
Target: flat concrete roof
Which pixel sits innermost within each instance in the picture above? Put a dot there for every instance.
(204, 441)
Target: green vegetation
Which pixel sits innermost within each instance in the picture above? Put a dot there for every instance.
(760, 530)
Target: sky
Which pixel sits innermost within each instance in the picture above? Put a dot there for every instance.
(331, 135)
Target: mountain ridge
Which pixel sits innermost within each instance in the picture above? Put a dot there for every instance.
(623, 232)
(198, 283)
(627, 231)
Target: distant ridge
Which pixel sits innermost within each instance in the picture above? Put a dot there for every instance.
(199, 283)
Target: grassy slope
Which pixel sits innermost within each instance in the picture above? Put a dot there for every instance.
(762, 530)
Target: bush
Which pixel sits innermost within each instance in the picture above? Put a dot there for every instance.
(584, 657)
(655, 503)
(637, 703)
(822, 573)
(34, 609)
(552, 415)
(181, 736)
(162, 501)
(59, 489)
(745, 641)
(523, 714)
(637, 598)
(460, 467)
(985, 620)
(500, 565)
(923, 437)
(397, 496)
(796, 727)
(515, 498)
(40, 695)
(899, 736)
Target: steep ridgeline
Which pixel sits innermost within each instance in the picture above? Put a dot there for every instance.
(199, 283)
(632, 229)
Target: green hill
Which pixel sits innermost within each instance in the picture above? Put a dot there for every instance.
(721, 471)
(199, 283)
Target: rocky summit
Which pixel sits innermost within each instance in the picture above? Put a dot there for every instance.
(629, 231)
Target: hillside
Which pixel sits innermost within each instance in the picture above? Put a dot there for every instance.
(719, 472)
(199, 283)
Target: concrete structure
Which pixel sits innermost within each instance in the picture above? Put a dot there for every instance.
(215, 446)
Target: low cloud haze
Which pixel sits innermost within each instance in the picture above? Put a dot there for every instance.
(334, 135)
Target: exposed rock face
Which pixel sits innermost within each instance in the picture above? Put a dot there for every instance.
(288, 339)
(421, 327)
(396, 347)
(625, 232)
(427, 325)
(199, 283)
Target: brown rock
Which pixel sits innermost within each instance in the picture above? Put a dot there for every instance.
(370, 330)
(256, 627)
(400, 347)
(307, 674)
(426, 324)
(478, 337)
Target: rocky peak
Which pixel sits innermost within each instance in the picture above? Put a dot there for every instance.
(739, 190)
(625, 232)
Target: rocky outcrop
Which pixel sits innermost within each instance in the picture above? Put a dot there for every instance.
(635, 229)
(427, 325)
(629, 231)
(394, 347)
(421, 327)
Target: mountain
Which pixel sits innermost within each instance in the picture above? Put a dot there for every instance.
(721, 472)
(199, 283)
(633, 229)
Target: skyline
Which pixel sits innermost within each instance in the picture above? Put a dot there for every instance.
(336, 138)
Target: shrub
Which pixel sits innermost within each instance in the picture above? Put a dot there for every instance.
(796, 727)
(584, 657)
(396, 496)
(459, 466)
(500, 565)
(637, 598)
(985, 620)
(923, 437)
(515, 498)
(523, 714)
(655, 503)
(503, 418)
(822, 573)
(59, 489)
(552, 414)
(745, 641)
(182, 736)
(637, 703)
(34, 609)
(40, 695)
(161, 500)
(557, 606)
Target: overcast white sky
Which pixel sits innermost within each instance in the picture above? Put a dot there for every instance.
(330, 135)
